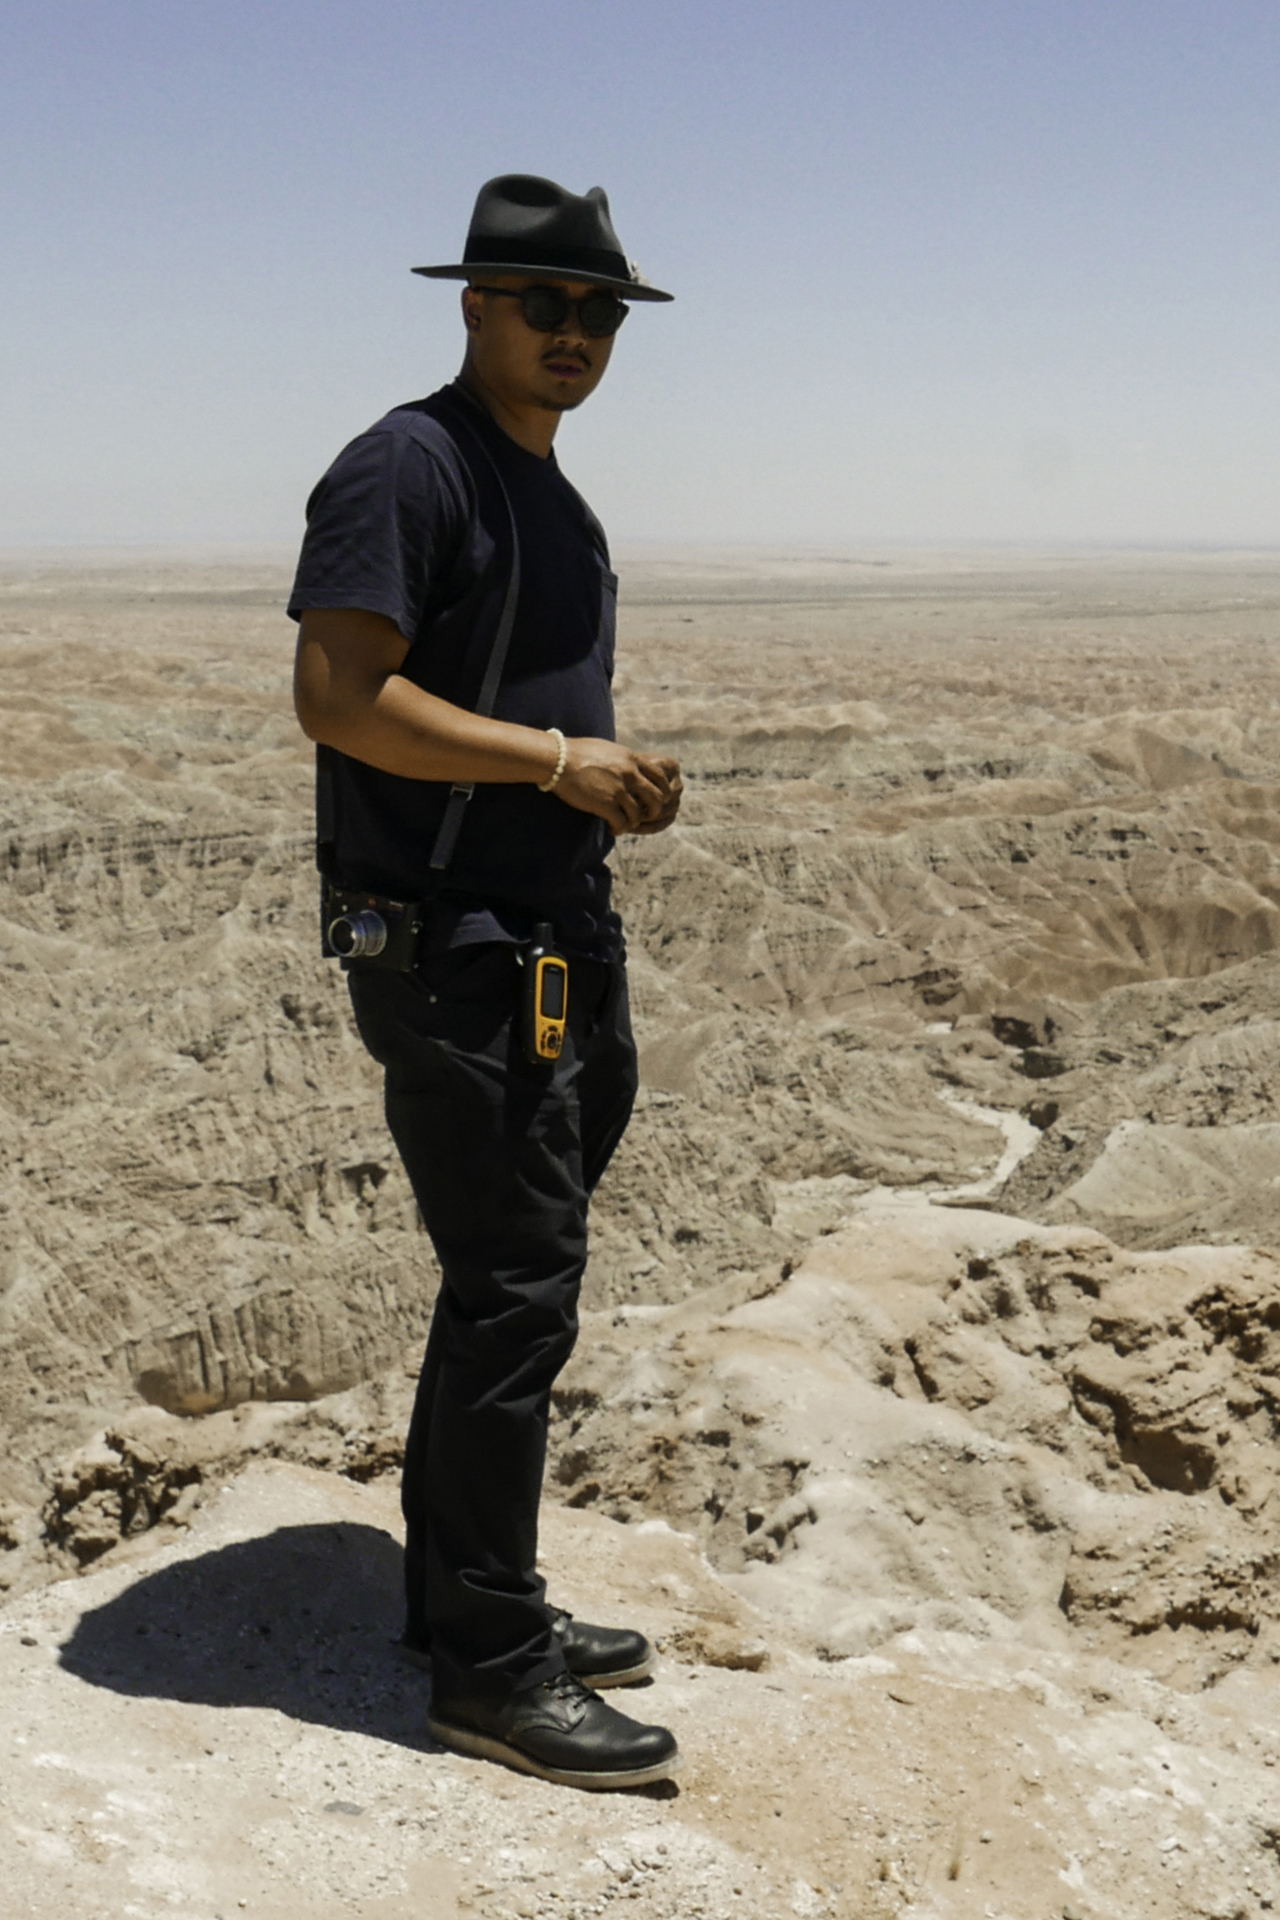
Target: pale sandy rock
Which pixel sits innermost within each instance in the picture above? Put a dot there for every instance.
(219, 1717)
(956, 1525)
(964, 1421)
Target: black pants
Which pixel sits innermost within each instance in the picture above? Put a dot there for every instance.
(503, 1156)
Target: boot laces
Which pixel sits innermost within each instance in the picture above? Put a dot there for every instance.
(567, 1686)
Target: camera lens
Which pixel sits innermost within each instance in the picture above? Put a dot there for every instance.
(357, 936)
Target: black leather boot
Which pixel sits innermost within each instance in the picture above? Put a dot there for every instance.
(559, 1731)
(602, 1656)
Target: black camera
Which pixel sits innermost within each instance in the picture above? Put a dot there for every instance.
(369, 929)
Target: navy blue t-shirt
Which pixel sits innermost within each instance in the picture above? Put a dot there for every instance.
(410, 522)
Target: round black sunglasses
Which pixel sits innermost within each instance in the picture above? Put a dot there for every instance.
(546, 309)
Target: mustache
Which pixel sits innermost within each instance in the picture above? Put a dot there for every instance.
(566, 353)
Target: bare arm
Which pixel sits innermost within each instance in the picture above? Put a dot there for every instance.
(350, 694)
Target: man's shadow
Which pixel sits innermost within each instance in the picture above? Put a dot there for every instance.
(302, 1620)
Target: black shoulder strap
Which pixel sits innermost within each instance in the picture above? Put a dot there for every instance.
(326, 814)
(451, 825)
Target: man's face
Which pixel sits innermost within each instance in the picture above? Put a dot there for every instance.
(525, 368)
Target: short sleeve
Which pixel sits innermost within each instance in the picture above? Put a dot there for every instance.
(382, 527)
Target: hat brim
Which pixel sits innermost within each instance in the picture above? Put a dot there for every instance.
(629, 289)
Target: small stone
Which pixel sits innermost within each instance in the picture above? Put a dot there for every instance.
(29, 1640)
(1072, 1913)
(985, 1838)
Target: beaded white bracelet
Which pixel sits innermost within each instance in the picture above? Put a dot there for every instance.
(549, 786)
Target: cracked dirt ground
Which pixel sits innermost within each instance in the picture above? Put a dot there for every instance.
(933, 1640)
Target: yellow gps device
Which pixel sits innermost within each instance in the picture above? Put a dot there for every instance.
(545, 996)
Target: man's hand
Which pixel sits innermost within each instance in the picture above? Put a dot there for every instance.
(631, 792)
(670, 771)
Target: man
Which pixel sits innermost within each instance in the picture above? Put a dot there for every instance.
(455, 654)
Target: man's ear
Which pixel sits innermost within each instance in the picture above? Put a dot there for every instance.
(470, 311)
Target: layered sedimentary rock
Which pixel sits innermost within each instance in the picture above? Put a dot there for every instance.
(979, 834)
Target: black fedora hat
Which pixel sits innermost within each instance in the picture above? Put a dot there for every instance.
(523, 224)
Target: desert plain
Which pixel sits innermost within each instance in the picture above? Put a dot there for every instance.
(927, 1405)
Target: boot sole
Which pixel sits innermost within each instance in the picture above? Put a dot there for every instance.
(620, 1677)
(481, 1746)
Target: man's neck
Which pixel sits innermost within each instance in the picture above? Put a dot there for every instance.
(533, 428)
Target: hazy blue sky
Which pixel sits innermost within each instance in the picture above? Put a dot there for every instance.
(944, 270)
